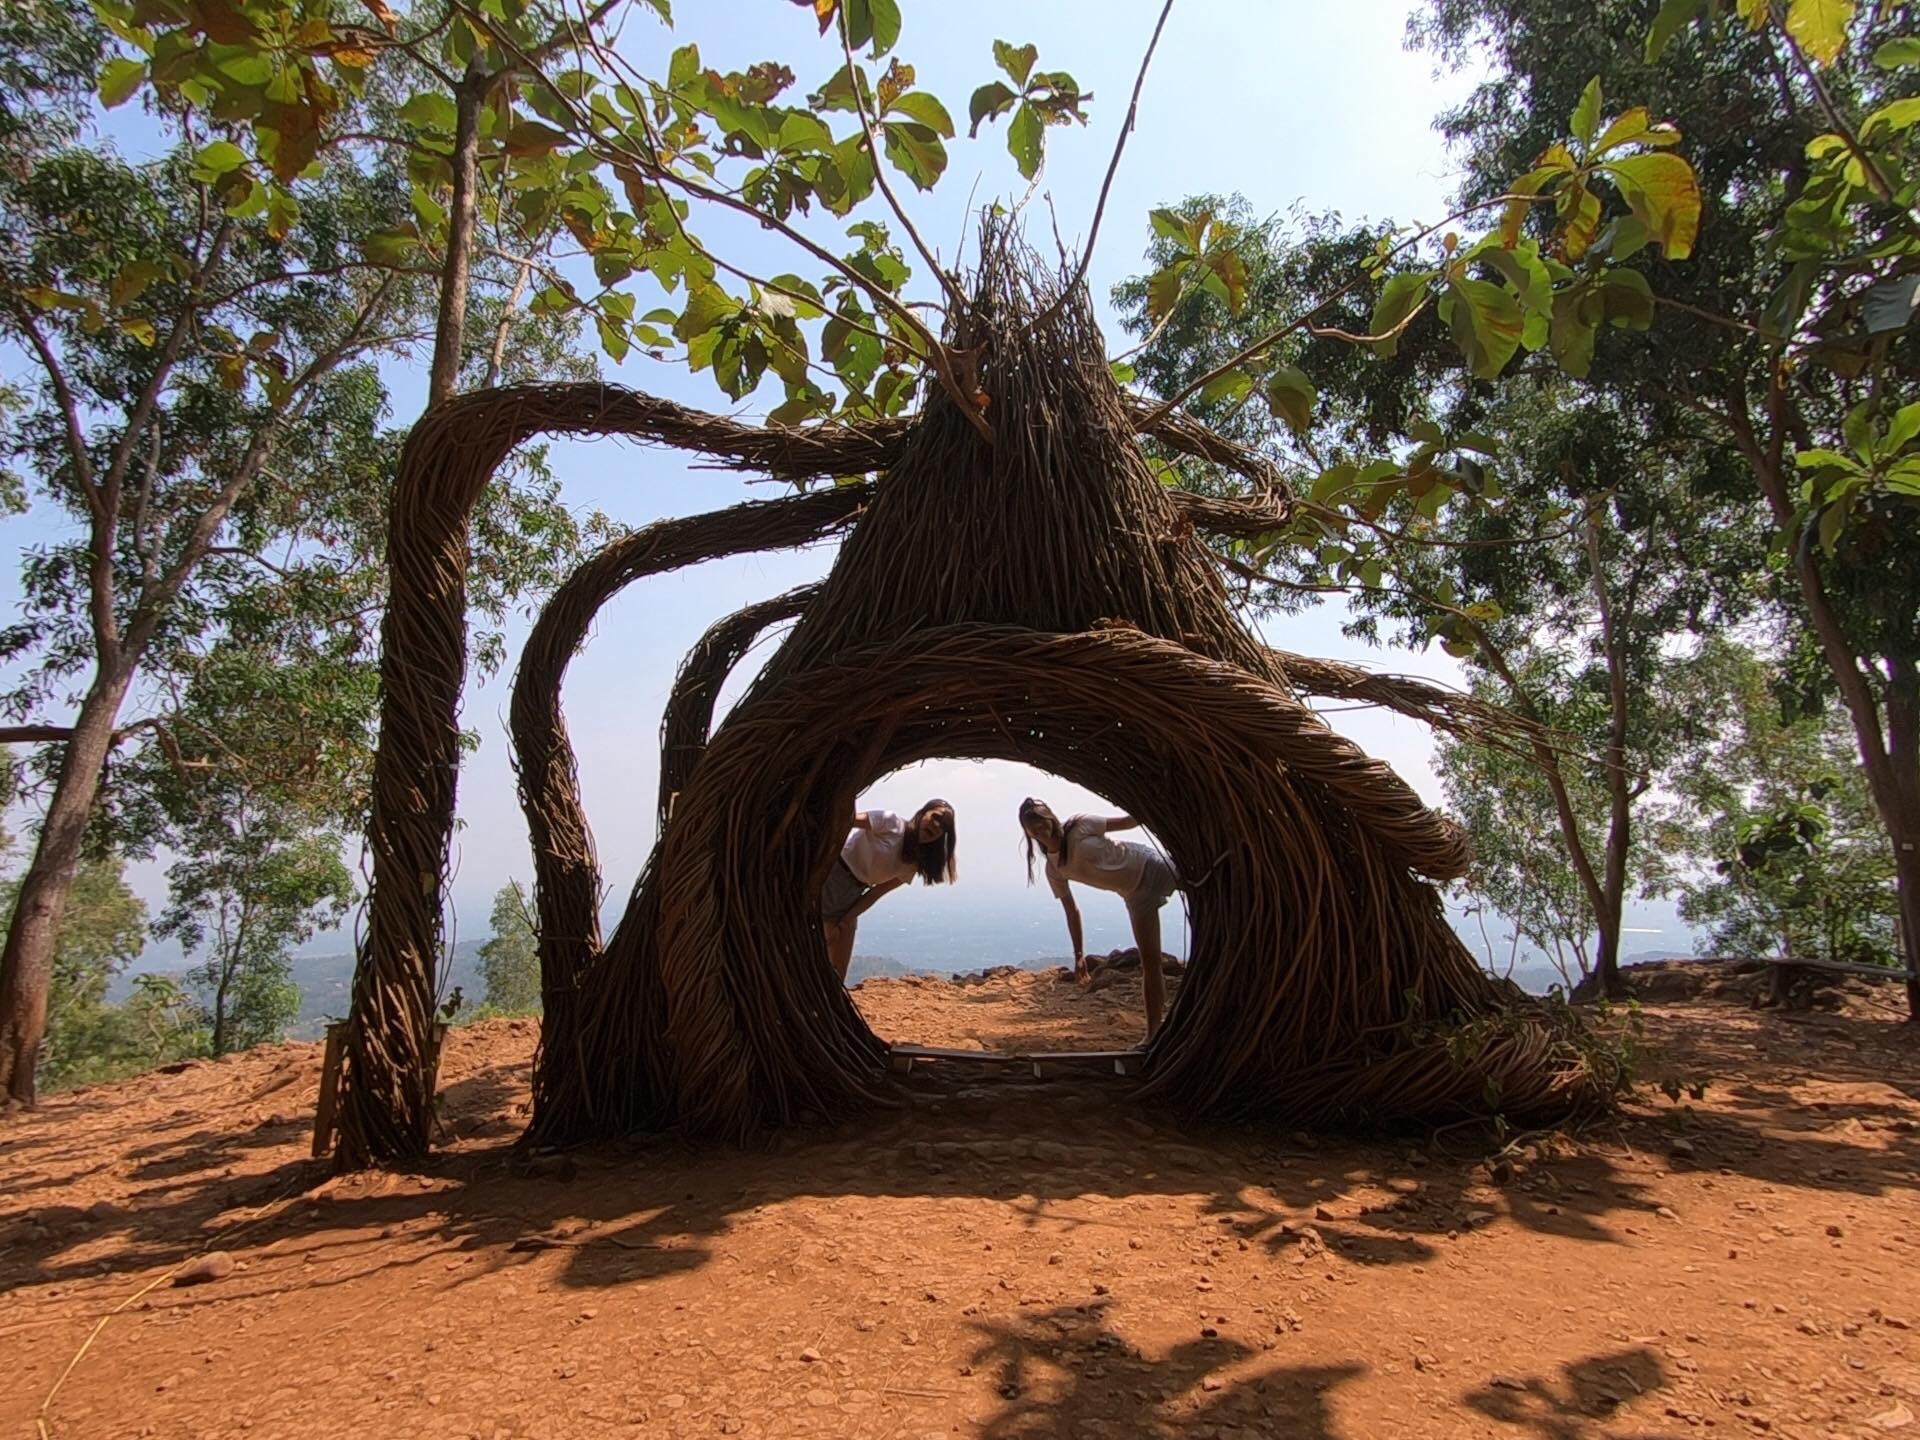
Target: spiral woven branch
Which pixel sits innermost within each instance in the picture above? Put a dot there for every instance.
(1040, 598)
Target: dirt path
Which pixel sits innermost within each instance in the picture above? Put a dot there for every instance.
(1001, 1257)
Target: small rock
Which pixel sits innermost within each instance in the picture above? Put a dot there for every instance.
(1898, 1418)
(1834, 1231)
(1681, 1149)
(104, 1210)
(1501, 1172)
(673, 1402)
(1321, 1212)
(1055, 1258)
(1894, 1322)
(214, 1265)
(1666, 1212)
(810, 1356)
(1506, 1382)
(1212, 1382)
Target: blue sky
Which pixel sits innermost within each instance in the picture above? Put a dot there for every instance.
(1317, 105)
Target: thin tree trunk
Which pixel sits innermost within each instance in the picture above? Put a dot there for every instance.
(1903, 823)
(1548, 760)
(26, 964)
(449, 336)
(1619, 795)
(1889, 756)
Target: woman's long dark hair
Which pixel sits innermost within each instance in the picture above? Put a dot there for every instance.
(935, 860)
(1032, 809)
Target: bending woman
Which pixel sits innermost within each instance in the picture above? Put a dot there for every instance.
(1138, 874)
(882, 853)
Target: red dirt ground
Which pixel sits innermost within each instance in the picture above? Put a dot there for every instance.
(1001, 1257)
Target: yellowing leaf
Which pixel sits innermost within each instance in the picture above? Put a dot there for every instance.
(530, 137)
(1664, 193)
(1819, 27)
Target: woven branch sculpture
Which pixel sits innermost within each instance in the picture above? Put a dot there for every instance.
(1039, 599)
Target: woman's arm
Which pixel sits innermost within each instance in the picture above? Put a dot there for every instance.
(1073, 933)
(1120, 822)
(866, 902)
(862, 821)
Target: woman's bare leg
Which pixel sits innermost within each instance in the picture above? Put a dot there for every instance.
(839, 935)
(1146, 935)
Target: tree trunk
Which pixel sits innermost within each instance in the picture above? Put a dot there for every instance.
(26, 964)
(1619, 796)
(449, 336)
(1902, 814)
(1889, 756)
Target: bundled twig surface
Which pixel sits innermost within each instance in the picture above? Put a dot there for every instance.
(1039, 598)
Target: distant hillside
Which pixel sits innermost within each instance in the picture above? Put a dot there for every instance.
(326, 983)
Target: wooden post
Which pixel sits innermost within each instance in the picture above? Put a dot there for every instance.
(324, 1109)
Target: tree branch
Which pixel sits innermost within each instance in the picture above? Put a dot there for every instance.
(1113, 168)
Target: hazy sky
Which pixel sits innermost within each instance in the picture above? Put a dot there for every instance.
(1289, 104)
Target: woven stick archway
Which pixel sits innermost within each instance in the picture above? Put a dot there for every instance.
(1041, 598)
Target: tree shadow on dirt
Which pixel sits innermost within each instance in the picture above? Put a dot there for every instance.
(1066, 1371)
(1575, 1405)
(627, 1214)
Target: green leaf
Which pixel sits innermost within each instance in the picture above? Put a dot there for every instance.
(1169, 225)
(1292, 397)
(1399, 298)
(921, 106)
(613, 339)
(1673, 16)
(1025, 138)
(1629, 299)
(1902, 428)
(392, 247)
(1577, 313)
(1819, 27)
(1817, 459)
(1523, 269)
(1896, 53)
(683, 67)
(1833, 521)
(1665, 195)
(707, 307)
(916, 152)
(1227, 389)
(119, 78)
(884, 24)
(431, 111)
(140, 329)
(1890, 305)
(1016, 60)
(1894, 117)
(1857, 429)
(219, 158)
(1122, 371)
(989, 101)
(1486, 324)
(1586, 113)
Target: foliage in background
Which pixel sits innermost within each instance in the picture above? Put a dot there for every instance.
(510, 959)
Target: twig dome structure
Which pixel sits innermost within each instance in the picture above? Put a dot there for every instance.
(1039, 598)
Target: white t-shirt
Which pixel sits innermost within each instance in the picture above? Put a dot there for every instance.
(1093, 859)
(873, 853)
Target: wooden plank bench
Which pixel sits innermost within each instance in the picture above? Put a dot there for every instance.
(903, 1058)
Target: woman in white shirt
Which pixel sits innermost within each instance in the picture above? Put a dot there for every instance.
(883, 852)
(1138, 874)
